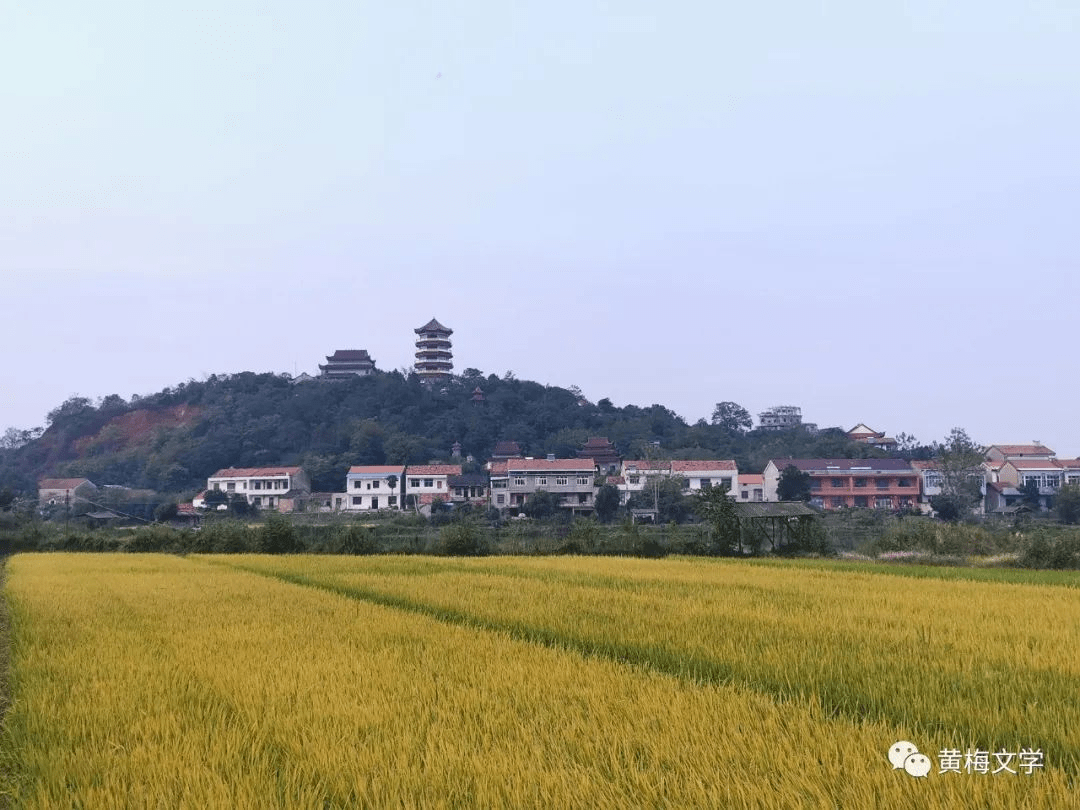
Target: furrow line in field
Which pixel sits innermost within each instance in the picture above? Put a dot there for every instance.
(838, 699)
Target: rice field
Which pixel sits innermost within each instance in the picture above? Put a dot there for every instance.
(249, 681)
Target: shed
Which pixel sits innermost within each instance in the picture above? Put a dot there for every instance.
(778, 523)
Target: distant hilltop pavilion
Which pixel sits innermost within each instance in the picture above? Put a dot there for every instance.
(345, 363)
(434, 360)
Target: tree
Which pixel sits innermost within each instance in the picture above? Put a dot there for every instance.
(215, 498)
(794, 484)
(1067, 503)
(607, 502)
(959, 462)
(1030, 491)
(732, 417)
(392, 482)
(542, 504)
(715, 508)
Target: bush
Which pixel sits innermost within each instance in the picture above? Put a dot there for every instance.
(462, 539)
(277, 536)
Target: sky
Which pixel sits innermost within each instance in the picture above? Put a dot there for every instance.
(868, 210)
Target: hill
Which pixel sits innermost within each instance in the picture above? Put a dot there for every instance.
(172, 440)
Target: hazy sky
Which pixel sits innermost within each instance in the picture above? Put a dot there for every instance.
(869, 210)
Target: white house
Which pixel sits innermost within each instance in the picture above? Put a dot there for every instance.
(368, 488)
(705, 474)
(264, 487)
(424, 483)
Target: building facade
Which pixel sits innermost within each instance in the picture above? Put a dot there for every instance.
(368, 488)
(879, 483)
(426, 483)
(276, 488)
(572, 479)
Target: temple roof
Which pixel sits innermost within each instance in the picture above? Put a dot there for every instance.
(433, 326)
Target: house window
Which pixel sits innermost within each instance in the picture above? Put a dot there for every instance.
(438, 484)
(882, 483)
(1032, 479)
(357, 500)
(1074, 479)
(498, 485)
(560, 480)
(256, 501)
(375, 484)
(500, 499)
(583, 480)
(759, 495)
(414, 482)
(429, 482)
(837, 483)
(217, 486)
(392, 500)
(860, 482)
(230, 487)
(819, 502)
(270, 501)
(725, 483)
(356, 484)
(633, 479)
(933, 480)
(815, 483)
(519, 480)
(256, 485)
(374, 502)
(883, 503)
(836, 502)
(903, 483)
(541, 481)
(706, 483)
(861, 500)
(1053, 481)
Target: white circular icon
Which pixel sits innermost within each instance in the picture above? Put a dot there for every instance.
(917, 764)
(900, 751)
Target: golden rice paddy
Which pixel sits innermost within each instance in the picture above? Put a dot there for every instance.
(161, 681)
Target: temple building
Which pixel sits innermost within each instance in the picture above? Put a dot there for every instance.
(602, 453)
(347, 363)
(434, 360)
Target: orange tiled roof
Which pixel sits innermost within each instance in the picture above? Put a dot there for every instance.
(616, 479)
(62, 483)
(252, 472)
(1034, 463)
(646, 466)
(703, 466)
(497, 467)
(434, 469)
(1022, 449)
(550, 465)
(377, 470)
(749, 479)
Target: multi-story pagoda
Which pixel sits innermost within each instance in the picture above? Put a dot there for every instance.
(434, 360)
(347, 363)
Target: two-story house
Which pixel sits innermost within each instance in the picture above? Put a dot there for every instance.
(751, 488)
(277, 488)
(572, 479)
(67, 492)
(699, 475)
(369, 488)
(426, 483)
(835, 483)
(1046, 473)
(470, 488)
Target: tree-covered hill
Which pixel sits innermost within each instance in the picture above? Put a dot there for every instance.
(171, 441)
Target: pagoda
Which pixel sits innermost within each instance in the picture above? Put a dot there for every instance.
(434, 360)
(345, 363)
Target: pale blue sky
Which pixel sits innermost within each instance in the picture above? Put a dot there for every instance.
(865, 209)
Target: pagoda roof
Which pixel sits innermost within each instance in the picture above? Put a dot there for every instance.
(349, 356)
(433, 326)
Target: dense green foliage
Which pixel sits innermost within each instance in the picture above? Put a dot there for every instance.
(247, 419)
